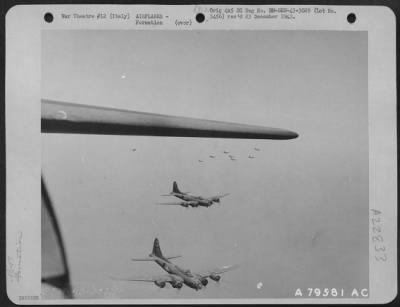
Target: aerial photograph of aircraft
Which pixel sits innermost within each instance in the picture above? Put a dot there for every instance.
(212, 157)
(191, 200)
(251, 157)
(133, 149)
(177, 276)
(201, 161)
(91, 117)
(72, 118)
(226, 152)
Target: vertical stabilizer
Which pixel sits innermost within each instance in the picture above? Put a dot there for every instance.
(157, 249)
(175, 188)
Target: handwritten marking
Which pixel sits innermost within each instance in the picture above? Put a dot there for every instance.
(377, 236)
(14, 269)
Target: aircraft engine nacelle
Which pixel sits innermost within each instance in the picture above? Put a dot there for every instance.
(217, 200)
(184, 205)
(160, 284)
(215, 277)
(206, 202)
(203, 280)
(177, 284)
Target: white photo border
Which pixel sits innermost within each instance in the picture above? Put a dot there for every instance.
(24, 24)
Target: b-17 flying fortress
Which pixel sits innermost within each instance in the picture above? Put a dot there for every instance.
(191, 200)
(177, 276)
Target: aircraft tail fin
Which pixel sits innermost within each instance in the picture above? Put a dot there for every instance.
(175, 188)
(157, 249)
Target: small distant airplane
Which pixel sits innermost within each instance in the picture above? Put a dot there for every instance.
(251, 157)
(177, 276)
(134, 149)
(201, 161)
(232, 158)
(212, 157)
(257, 149)
(225, 152)
(191, 200)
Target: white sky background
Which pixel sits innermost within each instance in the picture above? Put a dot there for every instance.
(297, 216)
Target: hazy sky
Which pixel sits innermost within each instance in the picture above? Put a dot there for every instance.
(297, 215)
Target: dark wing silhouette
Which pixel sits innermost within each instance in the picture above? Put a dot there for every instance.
(55, 270)
(61, 117)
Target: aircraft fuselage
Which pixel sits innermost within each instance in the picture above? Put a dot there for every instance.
(186, 276)
(201, 201)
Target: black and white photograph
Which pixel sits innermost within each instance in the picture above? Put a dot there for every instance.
(205, 164)
(296, 199)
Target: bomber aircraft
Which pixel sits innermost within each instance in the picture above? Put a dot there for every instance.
(177, 276)
(72, 118)
(191, 200)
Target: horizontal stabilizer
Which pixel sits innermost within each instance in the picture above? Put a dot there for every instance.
(62, 117)
(144, 259)
(172, 257)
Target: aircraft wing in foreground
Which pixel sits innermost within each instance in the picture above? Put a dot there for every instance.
(62, 117)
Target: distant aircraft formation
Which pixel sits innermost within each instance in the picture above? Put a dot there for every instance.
(232, 157)
(191, 200)
(177, 276)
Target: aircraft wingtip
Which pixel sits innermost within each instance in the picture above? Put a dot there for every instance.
(294, 135)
